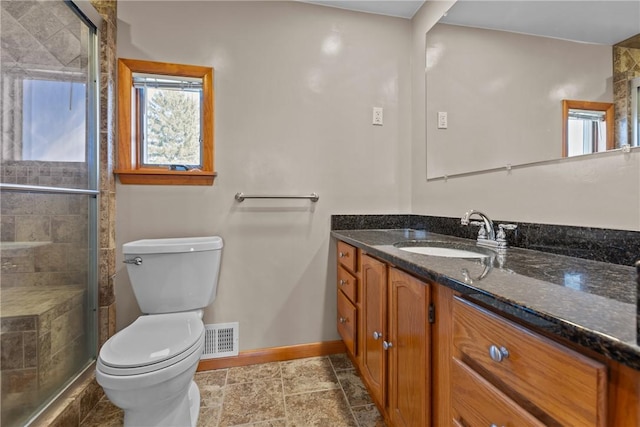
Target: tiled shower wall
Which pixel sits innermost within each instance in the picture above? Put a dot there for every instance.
(626, 66)
(44, 256)
(46, 50)
(40, 45)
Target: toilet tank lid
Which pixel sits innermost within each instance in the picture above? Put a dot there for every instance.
(173, 245)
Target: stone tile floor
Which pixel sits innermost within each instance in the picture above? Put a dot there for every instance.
(317, 391)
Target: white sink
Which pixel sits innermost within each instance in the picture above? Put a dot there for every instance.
(443, 249)
(444, 252)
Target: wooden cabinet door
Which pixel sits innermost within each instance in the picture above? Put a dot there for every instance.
(374, 331)
(408, 375)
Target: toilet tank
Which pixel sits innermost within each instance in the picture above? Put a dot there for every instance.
(177, 274)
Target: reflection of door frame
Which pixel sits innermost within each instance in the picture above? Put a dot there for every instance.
(635, 111)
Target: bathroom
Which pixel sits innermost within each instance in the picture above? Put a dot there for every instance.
(294, 88)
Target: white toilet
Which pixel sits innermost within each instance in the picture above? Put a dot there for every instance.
(147, 368)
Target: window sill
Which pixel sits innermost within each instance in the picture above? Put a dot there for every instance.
(164, 177)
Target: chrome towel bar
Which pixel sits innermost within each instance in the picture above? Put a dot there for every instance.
(241, 196)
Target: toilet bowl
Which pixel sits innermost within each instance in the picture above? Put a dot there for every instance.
(147, 369)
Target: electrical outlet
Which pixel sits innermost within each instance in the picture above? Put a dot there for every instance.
(377, 116)
(442, 120)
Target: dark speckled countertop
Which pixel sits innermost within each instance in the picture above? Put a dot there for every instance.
(591, 303)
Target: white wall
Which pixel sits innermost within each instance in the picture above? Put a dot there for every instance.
(294, 89)
(598, 191)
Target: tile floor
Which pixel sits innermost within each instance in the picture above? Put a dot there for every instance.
(318, 391)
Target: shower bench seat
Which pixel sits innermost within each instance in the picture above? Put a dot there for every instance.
(42, 335)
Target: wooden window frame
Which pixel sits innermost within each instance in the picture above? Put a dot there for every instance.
(568, 104)
(129, 164)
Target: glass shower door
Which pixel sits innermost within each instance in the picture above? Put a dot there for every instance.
(48, 203)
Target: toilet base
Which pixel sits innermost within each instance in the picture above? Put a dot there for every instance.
(182, 412)
(194, 403)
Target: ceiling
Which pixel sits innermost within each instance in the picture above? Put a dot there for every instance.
(399, 8)
(592, 21)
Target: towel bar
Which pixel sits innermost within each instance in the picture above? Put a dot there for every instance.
(241, 196)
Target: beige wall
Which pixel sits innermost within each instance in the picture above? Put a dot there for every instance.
(292, 117)
(598, 191)
(295, 86)
(503, 94)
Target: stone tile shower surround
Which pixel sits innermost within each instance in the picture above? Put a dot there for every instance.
(37, 36)
(626, 67)
(43, 300)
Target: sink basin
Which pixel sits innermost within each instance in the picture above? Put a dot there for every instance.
(443, 249)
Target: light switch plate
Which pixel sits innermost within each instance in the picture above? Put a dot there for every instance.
(442, 120)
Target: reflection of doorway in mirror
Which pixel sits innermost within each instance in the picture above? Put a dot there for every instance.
(635, 112)
(587, 127)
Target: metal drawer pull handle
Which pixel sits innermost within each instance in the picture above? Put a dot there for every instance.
(498, 353)
(137, 261)
(343, 282)
(386, 345)
(343, 320)
(377, 335)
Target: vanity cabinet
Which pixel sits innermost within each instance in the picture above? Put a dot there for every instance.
(395, 342)
(373, 331)
(347, 284)
(519, 377)
(408, 350)
(449, 361)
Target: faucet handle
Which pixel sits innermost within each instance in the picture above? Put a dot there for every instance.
(482, 231)
(502, 236)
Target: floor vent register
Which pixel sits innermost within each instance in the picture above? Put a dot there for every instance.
(220, 340)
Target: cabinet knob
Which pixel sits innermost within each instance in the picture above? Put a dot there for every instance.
(497, 354)
(342, 254)
(386, 345)
(343, 282)
(377, 335)
(343, 320)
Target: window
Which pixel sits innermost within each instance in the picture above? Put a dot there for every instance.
(165, 123)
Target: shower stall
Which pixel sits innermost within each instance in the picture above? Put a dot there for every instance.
(48, 199)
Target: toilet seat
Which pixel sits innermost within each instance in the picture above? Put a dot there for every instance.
(152, 342)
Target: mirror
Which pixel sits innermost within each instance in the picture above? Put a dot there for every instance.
(498, 71)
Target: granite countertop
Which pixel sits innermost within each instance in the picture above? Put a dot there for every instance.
(591, 303)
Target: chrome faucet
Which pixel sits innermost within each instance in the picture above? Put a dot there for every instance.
(487, 234)
(488, 224)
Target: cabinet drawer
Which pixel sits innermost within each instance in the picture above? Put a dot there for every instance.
(556, 384)
(347, 256)
(477, 403)
(347, 322)
(347, 283)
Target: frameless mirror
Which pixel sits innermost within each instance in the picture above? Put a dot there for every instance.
(498, 71)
